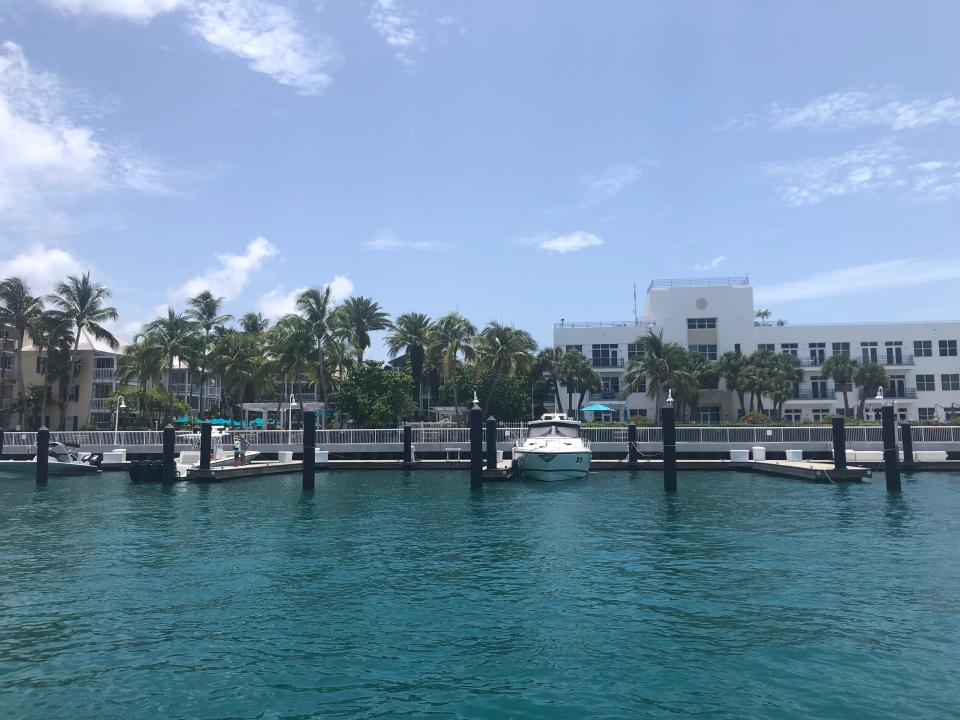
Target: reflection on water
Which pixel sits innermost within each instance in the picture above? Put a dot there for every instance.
(409, 594)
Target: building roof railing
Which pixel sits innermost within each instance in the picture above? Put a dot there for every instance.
(699, 282)
(605, 323)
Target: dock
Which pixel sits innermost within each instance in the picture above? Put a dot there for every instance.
(503, 471)
(804, 469)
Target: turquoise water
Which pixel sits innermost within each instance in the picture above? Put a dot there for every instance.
(385, 595)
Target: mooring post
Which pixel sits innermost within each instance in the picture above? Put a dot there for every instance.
(891, 455)
(309, 449)
(906, 436)
(491, 443)
(839, 444)
(407, 444)
(168, 474)
(1, 442)
(206, 444)
(633, 453)
(43, 448)
(476, 444)
(669, 447)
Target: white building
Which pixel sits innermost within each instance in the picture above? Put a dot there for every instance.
(716, 315)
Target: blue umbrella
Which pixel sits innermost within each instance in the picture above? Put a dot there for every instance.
(596, 407)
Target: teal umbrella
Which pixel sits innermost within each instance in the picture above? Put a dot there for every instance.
(596, 407)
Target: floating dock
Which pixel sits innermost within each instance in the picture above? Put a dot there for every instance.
(803, 469)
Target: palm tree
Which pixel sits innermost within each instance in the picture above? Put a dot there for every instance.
(840, 369)
(784, 375)
(586, 380)
(412, 335)
(205, 312)
(653, 366)
(314, 306)
(139, 363)
(505, 350)
(731, 366)
(171, 338)
(549, 361)
(82, 305)
(868, 377)
(451, 338)
(21, 311)
(361, 316)
(253, 323)
(239, 358)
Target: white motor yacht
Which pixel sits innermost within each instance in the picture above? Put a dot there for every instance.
(553, 450)
(61, 460)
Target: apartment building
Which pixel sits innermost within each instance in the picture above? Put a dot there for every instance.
(716, 315)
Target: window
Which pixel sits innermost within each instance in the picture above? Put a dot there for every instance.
(641, 412)
(6, 362)
(894, 350)
(792, 415)
(950, 381)
(926, 414)
(820, 414)
(736, 348)
(611, 388)
(701, 323)
(948, 348)
(790, 349)
(868, 352)
(708, 351)
(923, 348)
(948, 413)
(818, 352)
(818, 388)
(707, 415)
(605, 355)
(573, 348)
(102, 390)
(641, 386)
(74, 395)
(634, 350)
(925, 383)
(771, 347)
(104, 363)
(841, 348)
(41, 365)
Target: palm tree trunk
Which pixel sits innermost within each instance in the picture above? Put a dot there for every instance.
(170, 391)
(21, 387)
(846, 403)
(323, 384)
(203, 372)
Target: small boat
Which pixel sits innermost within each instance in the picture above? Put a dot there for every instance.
(553, 450)
(61, 460)
(222, 457)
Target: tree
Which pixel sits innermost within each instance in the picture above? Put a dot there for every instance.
(253, 323)
(359, 316)
(510, 402)
(32, 404)
(841, 369)
(653, 366)
(239, 359)
(138, 363)
(314, 306)
(452, 338)
(374, 395)
(868, 377)
(548, 362)
(762, 315)
(204, 310)
(731, 366)
(783, 376)
(81, 303)
(411, 336)
(170, 338)
(505, 350)
(22, 311)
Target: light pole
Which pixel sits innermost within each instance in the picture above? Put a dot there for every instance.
(121, 405)
(293, 404)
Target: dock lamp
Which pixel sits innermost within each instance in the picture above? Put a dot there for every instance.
(669, 397)
(121, 405)
(293, 404)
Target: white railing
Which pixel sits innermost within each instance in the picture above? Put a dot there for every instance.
(103, 373)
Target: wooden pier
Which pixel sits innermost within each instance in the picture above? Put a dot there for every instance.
(804, 469)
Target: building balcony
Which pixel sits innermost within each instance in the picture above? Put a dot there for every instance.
(99, 404)
(891, 394)
(606, 395)
(8, 344)
(608, 363)
(8, 374)
(828, 393)
(104, 374)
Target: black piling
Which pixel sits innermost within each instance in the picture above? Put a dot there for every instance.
(633, 453)
(169, 472)
(891, 456)
(669, 449)
(906, 437)
(407, 444)
(491, 443)
(206, 444)
(1, 442)
(839, 444)
(309, 449)
(43, 458)
(476, 446)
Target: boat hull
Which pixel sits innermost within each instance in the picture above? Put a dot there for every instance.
(547, 466)
(28, 468)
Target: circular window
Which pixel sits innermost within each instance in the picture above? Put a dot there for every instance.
(701, 304)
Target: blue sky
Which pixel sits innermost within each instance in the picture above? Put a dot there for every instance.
(517, 161)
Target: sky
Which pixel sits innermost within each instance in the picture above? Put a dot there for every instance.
(515, 161)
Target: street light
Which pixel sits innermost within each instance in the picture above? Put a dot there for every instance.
(293, 404)
(121, 405)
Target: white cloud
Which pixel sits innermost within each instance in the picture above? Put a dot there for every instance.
(853, 109)
(49, 159)
(386, 240)
(41, 267)
(609, 183)
(396, 27)
(140, 10)
(230, 273)
(571, 242)
(267, 35)
(712, 265)
(276, 303)
(861, 278)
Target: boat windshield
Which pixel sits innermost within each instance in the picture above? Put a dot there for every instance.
(570, 431)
